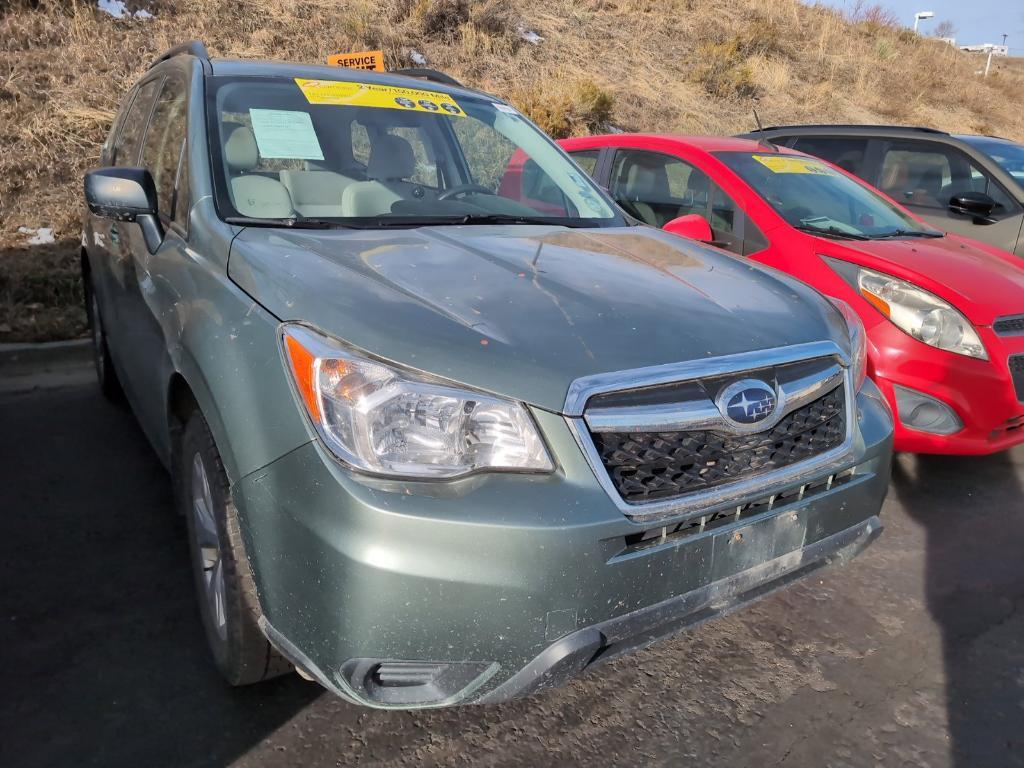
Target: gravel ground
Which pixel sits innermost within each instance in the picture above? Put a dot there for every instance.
(913, 655)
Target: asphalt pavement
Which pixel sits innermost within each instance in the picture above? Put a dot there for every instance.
(913, 655)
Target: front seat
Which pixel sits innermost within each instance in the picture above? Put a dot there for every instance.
(316, 193)
(647, 184)
(252, 194)
(391, 162)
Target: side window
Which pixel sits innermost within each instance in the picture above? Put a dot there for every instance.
(657, 188)
(847, 153)
(928, 174)
(129, 141)
(725, 220)
(107, 151)
(586, 159)
(182, 202)
(732, 229)
(164, 139)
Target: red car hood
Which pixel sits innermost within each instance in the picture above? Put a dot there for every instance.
(983, 284)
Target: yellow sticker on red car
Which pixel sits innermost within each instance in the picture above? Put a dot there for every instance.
(343, 93)
(791, 164)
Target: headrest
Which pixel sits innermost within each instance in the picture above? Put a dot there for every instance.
(647, 180)
(391, 158)
(240, 151)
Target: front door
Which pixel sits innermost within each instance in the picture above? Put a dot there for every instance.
(925, 175)
(145, 296)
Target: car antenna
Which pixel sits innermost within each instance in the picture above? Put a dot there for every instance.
(760, 129)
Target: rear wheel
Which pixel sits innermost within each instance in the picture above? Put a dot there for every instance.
(224, 582)
(105, 373)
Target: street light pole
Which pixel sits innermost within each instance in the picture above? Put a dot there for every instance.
(921, 16)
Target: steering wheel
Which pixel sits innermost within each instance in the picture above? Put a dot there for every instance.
(464, 189)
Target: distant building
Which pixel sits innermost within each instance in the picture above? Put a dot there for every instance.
(997, 50)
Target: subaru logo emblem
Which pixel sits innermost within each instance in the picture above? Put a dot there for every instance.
(747, 402)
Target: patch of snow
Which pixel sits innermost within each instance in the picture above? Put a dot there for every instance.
(417, 58)
(115, 8)
(41, 236)
(119, 10)
(530, 36)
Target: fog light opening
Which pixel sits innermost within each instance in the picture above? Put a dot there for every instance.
(414, 683)
(925, 413)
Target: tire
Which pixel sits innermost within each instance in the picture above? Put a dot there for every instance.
(105, 373)
(223, 578)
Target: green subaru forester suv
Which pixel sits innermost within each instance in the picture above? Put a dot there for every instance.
(446, 425)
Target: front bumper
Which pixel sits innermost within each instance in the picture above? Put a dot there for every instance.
(524, 579)
(981, 392)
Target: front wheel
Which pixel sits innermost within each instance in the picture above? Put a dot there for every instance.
(105, 374)
(224, 581)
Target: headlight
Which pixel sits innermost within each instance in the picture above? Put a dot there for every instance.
(914, 310)
(858, 341)
(390, 422)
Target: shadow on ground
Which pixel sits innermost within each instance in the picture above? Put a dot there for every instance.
(103, 655)
(974, 589)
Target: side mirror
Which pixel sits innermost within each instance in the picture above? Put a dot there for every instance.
(126, 194)
(976, 204)
(693, 226)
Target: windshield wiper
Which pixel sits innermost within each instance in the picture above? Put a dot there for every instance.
(833, 231)
(907, 233)
(293, 222)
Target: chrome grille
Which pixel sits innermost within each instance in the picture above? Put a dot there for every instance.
(624, 417)
(645, 466)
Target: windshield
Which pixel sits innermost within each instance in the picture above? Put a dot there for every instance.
(813, 196)
(1008, 155)
(340, 153)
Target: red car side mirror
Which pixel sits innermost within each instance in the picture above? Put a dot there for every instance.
(693, 226)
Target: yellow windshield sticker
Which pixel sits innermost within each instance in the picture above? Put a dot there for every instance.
(792, 164)
(344, 93)
(373, 60)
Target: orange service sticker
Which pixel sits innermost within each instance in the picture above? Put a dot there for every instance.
(359, 60)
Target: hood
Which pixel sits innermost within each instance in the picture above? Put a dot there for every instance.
(523, 311)
(983, 284)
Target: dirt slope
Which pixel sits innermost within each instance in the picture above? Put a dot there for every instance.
(689, 66)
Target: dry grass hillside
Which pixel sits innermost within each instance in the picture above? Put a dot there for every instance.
(689, 66)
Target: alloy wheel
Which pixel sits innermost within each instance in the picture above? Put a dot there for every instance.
(208, 549)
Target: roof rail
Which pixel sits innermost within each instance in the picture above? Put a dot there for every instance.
(921, 128)
(191, 48)
(428, 74)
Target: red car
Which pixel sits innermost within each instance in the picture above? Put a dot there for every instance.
(944, 314)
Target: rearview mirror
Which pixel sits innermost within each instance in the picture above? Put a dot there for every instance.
(126, 194)
(693, 226)
(976, 204)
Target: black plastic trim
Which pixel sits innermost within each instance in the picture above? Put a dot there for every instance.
(191, 48)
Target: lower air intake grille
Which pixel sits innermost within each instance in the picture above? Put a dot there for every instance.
(1009, 326)
(1017, 373)
(650, 466)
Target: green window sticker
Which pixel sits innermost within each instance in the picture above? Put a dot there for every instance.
(284, 134)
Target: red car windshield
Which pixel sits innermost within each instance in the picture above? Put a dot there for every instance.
(814, 197)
